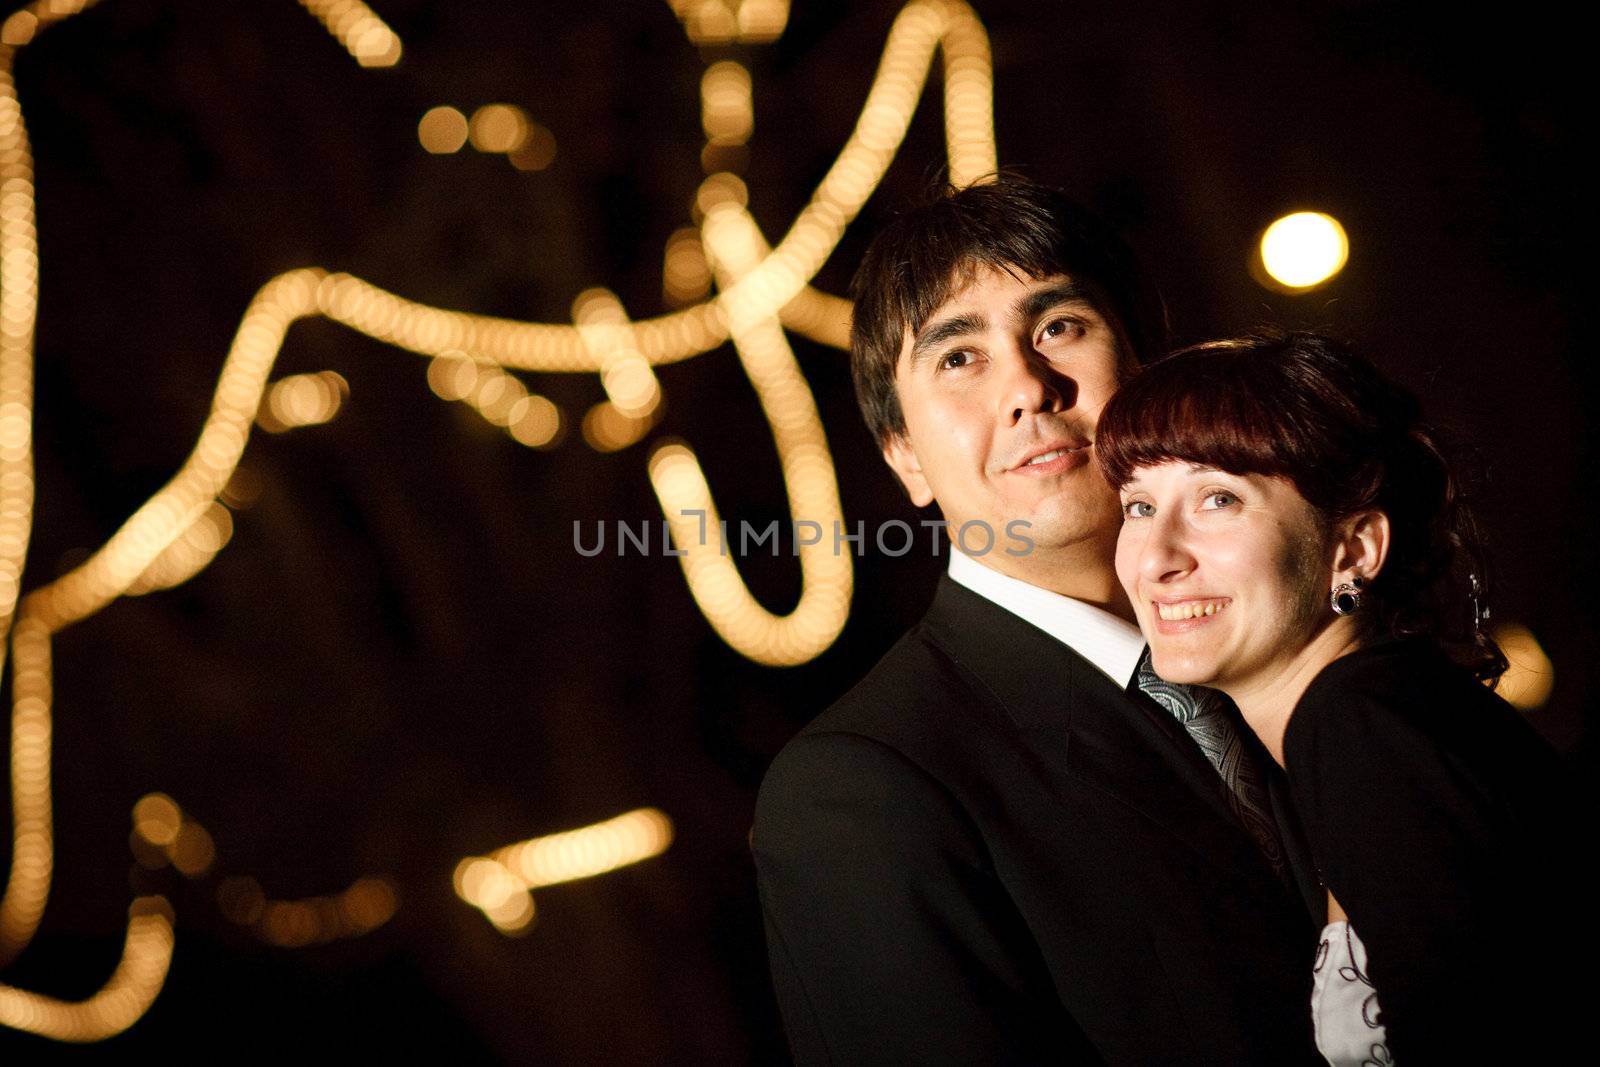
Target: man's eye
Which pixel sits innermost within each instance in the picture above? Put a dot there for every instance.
(1218, 499)
(1061, 328)
(955, 360)
(1138, 509)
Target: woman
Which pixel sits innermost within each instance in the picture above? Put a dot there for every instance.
(1293, 536)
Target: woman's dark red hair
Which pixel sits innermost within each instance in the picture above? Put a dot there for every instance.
(1306, 408)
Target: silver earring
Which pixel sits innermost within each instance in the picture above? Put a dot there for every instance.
(1346, 597)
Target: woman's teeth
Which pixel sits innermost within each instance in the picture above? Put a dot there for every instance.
(1190, 609)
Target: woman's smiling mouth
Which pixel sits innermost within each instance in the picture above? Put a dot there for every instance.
(1190, 609)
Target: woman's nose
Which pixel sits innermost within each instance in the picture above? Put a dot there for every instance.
(1165, 555)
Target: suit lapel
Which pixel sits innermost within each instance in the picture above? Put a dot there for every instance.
(1124, 745)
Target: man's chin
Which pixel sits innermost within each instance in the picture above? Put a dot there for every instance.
(1056, 527)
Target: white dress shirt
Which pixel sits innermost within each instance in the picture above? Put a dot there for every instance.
(1111, 644)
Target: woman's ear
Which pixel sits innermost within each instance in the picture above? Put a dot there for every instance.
(897, 452)
(1361, 545)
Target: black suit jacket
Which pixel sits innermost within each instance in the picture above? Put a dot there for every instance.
(987, 852)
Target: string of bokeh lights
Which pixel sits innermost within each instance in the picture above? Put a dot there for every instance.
(182, 527)
(166, 836)
(501, 884)
(147, 948)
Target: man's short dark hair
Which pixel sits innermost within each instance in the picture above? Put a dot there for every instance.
(928, 252)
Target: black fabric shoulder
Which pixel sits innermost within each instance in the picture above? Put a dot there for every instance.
(1441, 822)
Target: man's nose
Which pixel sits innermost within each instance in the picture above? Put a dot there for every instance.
(1165, 555)
(1030, 385)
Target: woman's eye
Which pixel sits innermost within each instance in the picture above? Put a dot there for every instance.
(1219, 499)
(1138, 509)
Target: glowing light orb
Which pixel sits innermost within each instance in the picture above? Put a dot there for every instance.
(1530, 678)
(498, 128)
(1304, 249)
(442, 130)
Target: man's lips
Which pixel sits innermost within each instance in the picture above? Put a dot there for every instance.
(1050, 458)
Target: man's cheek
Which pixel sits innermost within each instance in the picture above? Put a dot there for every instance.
(961, 442)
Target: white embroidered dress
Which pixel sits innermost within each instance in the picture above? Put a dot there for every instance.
(1344, 1006)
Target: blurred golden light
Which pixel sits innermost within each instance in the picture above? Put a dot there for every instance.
(921, 27)
(761, 21)
(303, 400)
(725, 107)
(684, 273)
(629, 382)
(735, 248)
(289, 924)
(631, 385)
(628, 838)
(715, 22)
(60, 9)
(364, 906)
(442, 130)
(768, 286)
(196, 545)
(536, 422)
(537, 149)
(184, 512)
(156, 818)
(163, 834)
(501, 399)
(514, 916)
(193, 851)
(496, 394)
(452, 376)
(498, 128)
(719, 189)
(488, 886)
(707, 21)
(499, 884)
(1529, 680)
(485, 882)
(605, 429)
(820, 316)
(117, 1005)
(364, 34)
(18, 30)
(1304, 249)
(32, 854)
(367, 904)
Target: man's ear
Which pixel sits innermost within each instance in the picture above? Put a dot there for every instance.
(903, 461)
(1361, 545)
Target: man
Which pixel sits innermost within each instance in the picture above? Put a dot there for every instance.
(993, 849)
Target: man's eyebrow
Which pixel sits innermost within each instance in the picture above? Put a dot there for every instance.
(937, 333)
(1039, 301)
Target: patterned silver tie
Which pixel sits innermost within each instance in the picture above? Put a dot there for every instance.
(1208, 716)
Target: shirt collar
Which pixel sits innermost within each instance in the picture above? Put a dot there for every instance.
(1111, 644)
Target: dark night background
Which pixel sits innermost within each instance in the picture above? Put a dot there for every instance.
(399, 660)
